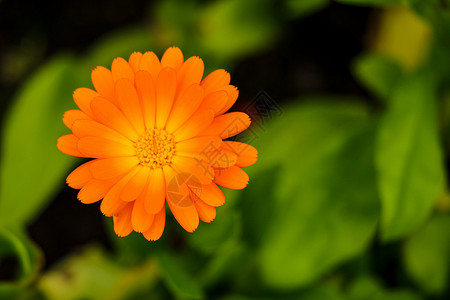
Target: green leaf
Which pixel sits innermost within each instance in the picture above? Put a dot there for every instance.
(372, 2)
(16, 245)
(379, 74)
(93, 274)
(321, 207)
(181, 283)
(224, 262)
(408, 157)
(31, 166)
(426, 255)
(226, 227)
(301, 8)
(234, 28)
(89, 274)
(367, 288)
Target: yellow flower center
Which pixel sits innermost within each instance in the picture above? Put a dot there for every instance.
(155, 148)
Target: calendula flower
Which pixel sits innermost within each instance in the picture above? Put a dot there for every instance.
(155, 130)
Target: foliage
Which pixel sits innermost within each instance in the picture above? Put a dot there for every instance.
(342, 182)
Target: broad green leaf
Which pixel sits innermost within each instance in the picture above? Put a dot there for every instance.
(378, 74)
(312, 194)
(18, 246)
(427, 255)
(180, 282)
(408, 157)
(300, 8)
(31, 166)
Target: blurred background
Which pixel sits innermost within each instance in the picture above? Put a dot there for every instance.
(351, 118)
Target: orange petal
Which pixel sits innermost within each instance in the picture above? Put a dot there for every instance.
(165, 93)
(201, 170)
(135, 61)
(98, 147)
(68, 144)
(108, 114)
(120, 68)
(186, 216)
(232, 178)
(181, 187)
(95, 190)
(197, 123)
(215, 81)
(211, 194)
(80, 176)
(112, 204)
(83, 98)
(151, 64)
(140, 219)
(228, 125)
(154, 194)
(133, 189)
(156, 229)
(122, 221)
(173, 57)
(220, 158)
(190, 72)
(103, 82)
(233, 94)
(247, 154)
(215, 101)
(206, 212)
(199, 144)
(84, 128)
(128, 101)
(107, 168)
(146, 89)
(183, 108)
(72, 115)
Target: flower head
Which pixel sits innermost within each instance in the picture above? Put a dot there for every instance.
(155, 130)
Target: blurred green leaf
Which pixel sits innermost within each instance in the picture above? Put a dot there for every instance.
(234, 28)
(181, 283)
(379, 74)
(31, 165)
(17, 246)
(93, 274)
(437, 14)
(367, 288)
(223, 262)
(427, 255)
(372, 2)
(209, 237)
(89, 274)
(300, 8)
(408, 156)
(316, 292)
(321, 208)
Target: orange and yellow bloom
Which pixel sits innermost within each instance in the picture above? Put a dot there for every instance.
(155, 130)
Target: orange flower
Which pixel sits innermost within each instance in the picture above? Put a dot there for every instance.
(155, 131)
